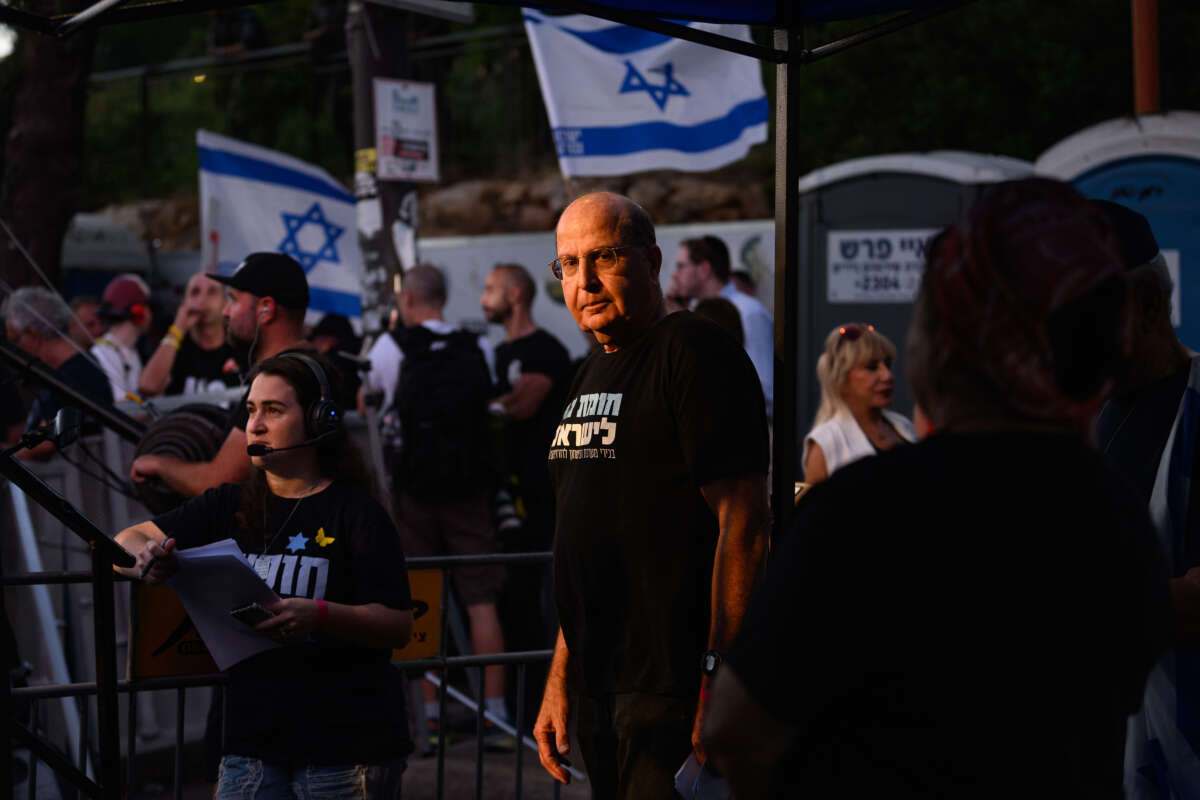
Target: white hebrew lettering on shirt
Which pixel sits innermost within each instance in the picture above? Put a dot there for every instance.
(309, 565)
(289, 574)
(298, 573)
(573, 440)
(193, 385)
(609, 430)
(266, 567)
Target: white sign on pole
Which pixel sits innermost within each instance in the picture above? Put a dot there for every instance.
(876, 266)
(405, 131)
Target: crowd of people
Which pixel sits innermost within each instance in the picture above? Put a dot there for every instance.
(998, 597)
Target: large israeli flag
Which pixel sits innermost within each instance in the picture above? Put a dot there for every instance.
(254, 199)
(622, 99)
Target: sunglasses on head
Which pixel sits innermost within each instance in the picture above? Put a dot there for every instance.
(848, 333)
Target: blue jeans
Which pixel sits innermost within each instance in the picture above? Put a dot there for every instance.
(244, 778)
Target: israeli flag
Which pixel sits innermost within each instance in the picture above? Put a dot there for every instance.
(622, 99)
(253, 199)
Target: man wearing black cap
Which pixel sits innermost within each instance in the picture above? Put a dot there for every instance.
(264, 316)
(1148, 436)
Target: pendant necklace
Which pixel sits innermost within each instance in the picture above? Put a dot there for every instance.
(288, 518)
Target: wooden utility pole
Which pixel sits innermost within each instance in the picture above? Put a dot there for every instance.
(43, 156)
(1145, 56)
(377, 44)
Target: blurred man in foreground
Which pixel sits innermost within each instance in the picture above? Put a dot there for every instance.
(928, 627)
(1151, 409)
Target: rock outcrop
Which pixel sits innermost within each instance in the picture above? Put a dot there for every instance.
(527, 203)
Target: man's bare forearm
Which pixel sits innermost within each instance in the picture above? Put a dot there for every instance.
(558, 663)
(741, 507)
(189, 479)
(157, 372)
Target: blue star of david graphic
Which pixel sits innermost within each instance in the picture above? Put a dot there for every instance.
(636, 82)
(297, 543)
(294, 223)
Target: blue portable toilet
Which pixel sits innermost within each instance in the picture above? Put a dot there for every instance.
(863, 228)
(1150, 163)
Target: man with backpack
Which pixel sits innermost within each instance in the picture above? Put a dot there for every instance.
(440, 386)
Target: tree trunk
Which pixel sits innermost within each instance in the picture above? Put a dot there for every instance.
(44, 151)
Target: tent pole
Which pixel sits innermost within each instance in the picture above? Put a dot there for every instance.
(787, 274)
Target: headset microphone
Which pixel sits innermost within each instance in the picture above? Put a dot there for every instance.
(266, 450)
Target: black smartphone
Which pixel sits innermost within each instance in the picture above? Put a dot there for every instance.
(251, 614)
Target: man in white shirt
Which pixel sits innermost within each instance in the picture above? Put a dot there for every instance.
(385, 355)
(125, 307)
(433, 517)
(701, 271)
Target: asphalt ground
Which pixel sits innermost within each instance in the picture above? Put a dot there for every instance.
(156, 777)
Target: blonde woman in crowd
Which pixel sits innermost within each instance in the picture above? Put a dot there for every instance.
(857, 385)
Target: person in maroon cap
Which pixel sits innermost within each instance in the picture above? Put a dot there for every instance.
(264, 317)
(124, 306)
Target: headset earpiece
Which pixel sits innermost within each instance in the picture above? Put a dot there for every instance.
(139, 313)
(323, 416)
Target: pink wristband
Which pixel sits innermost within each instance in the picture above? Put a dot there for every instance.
(322, 613)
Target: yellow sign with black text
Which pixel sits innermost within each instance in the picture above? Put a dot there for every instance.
(426, 587)
(166, 644)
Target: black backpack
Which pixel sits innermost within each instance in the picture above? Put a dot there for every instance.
(441, 407)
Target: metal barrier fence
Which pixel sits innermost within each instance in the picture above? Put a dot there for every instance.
(84, 752)
(63, 619)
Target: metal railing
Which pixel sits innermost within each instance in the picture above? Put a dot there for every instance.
(436, 668)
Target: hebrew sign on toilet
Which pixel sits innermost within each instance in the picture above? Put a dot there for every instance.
(879, 266)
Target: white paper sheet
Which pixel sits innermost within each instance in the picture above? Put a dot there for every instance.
(213, 580)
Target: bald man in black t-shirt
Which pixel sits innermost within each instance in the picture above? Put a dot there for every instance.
(659, 464)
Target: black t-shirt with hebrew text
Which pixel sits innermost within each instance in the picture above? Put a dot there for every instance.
(538, 353)
(324, 701)
(642, 430)
(199, 370)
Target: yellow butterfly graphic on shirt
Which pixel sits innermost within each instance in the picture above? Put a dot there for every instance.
(322, 539)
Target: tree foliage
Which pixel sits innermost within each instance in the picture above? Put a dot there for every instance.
(1010, 77)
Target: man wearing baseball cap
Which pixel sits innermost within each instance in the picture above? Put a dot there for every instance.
(264, 317)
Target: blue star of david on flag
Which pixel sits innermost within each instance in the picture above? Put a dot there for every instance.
(636, 82)
(294, 223)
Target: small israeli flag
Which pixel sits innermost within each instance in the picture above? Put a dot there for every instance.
(254, 199)
(622, 99)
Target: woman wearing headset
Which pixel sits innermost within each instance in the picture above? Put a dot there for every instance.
(325, 713)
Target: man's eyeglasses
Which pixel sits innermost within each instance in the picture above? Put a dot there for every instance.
(602, 259)
(849, 333)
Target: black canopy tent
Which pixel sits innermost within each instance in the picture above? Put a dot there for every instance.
(786, 17)
(792, 345)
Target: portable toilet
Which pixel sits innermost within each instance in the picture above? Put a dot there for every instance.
(864, 224)
(95, 249)
(1151, 164)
